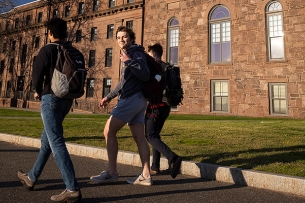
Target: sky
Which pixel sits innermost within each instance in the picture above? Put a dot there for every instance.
(20, 2)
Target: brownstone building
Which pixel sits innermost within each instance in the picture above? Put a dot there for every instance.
(91, 28)
(237, 57)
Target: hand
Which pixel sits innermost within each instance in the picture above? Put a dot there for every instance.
(103, 103)
(123, 56)
(36, 96)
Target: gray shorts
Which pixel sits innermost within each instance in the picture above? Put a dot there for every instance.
(131, 109)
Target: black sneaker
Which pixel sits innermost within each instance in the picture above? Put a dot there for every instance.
(68, 196)
(154, 171)
(176, 164)
(25, 180)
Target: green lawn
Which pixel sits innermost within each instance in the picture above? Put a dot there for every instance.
(266, 144)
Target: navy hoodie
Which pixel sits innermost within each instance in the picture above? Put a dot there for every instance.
(134, 73)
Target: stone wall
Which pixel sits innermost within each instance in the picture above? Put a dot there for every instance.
(250, 71)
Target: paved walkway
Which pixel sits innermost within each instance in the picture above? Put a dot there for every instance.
(183, 189)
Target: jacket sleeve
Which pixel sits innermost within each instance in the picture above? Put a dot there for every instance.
(116, 91)
(138, 66)
(40, 70)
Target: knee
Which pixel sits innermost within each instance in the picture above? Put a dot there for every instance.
(151, 136)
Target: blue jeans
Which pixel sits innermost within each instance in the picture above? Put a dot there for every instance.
(53, 112)
(154, 121)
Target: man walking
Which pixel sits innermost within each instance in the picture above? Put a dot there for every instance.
(53, 112)
(156, 114)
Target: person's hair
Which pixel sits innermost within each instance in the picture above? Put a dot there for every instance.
(129, 31)
(58, 27)
(157, 49)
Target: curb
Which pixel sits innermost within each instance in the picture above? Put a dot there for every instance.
(245, 177)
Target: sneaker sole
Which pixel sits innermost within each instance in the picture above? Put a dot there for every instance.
(70, 199)
(139, 183)
(26, 186)
(23, 182)
(176, 167)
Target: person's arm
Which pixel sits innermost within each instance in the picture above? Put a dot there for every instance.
(115, 92)
(138, 65)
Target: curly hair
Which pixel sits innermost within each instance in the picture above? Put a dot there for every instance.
(129, 31)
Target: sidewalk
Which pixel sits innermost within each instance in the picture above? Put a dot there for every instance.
(275, 182)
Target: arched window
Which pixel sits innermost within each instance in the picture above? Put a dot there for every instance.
(220, 35)
(173, 41)
(275, 32)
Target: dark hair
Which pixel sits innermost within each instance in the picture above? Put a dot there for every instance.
(58, 27)
(157, 49)
(129, 31)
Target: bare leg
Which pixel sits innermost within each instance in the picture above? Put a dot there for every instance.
(113, 125)
(137, 131)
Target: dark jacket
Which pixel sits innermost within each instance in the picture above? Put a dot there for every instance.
(134, 73)
(43, 68)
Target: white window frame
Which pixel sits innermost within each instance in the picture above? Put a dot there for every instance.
(275, 31)
(220, 90)
(173, 40)
(220, 33)
(278, 97)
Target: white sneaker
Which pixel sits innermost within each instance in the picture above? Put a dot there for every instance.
(140, 180)
(104, 177)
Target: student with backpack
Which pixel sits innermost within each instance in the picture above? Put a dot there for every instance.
(53, 111)
(155, 116)
(130, 109)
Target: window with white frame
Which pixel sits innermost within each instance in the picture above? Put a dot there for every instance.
(55, 13)
(95, 5)
(275, 32)
(106, 86)
(93, 33)
(39, 20)
(81, 7)
(111, 3)
(278, 98)
(129, 24)
(90, 87)
(108, 57)
(220, 95)
(67, 11)
(220, 35)
(91, 58)
(110, 29)
(173, 41)
(28, 20)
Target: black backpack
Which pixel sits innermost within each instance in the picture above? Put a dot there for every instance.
(173, 93)
(154, 87)
(69, 74)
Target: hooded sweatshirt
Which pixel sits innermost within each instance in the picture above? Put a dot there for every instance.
(43, 68)
(134, 73)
